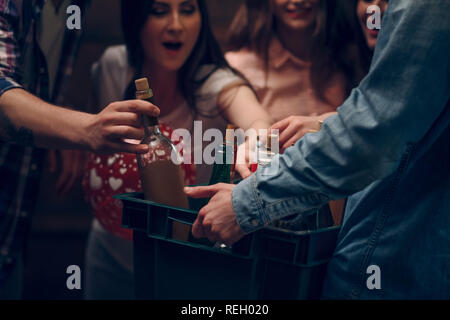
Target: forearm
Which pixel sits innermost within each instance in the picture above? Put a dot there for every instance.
(27, 120)
(263, 123)
(242, 108)
(258, 128)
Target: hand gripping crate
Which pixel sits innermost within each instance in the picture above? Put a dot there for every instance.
(271, 263)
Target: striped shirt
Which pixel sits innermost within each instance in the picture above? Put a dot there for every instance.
(23, 65)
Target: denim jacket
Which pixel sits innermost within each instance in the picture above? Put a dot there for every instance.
(388, 150)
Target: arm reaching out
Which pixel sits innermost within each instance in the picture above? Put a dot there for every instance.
(27, 120)
(242, 108)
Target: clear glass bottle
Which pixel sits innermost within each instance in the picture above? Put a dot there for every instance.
(266, 152)
(159, 168)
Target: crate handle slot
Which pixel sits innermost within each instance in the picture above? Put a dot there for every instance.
(184, 217)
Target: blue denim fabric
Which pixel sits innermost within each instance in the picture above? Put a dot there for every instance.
(389, 150)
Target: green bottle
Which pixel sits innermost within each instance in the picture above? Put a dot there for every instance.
(222, 172)
(225, 159)
(222, 165)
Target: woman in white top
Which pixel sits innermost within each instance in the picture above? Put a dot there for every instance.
(170, 42)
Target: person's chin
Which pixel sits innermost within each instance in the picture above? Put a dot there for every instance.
(173, 65)
(300, 25)
(371, 43)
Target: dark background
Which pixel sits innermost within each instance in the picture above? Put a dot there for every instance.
(61, 223)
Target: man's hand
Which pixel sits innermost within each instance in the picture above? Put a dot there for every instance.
(29, 121)
(107, 130)
(217, 220)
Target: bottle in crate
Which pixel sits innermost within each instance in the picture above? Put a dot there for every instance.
(225, 159)
(160, 170)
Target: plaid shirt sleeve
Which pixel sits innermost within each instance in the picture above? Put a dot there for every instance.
(10, 76)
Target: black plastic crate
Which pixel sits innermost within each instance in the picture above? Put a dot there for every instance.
(271, 263)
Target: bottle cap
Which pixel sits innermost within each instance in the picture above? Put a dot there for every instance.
(143, 90)
(141, 84)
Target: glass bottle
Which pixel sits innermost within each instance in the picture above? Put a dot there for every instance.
(266, 153)
(224, 160)
(159, 168)
(223, 166)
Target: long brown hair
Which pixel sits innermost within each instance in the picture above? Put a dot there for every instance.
(355, 55)
(206, 51)
(255, 25)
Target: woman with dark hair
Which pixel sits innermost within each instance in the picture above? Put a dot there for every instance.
(356, 41)
(365, 35)
(169, 42)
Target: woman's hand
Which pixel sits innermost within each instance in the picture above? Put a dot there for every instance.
(293, 128)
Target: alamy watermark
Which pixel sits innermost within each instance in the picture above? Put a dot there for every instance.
(201, 147)
(374, 280)
(73, 282)
(374, 20)
(74, 19)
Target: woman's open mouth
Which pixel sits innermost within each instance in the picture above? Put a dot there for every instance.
(173, 47)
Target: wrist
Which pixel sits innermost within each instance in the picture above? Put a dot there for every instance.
(324, 116)
(247, 208)
(84, 133)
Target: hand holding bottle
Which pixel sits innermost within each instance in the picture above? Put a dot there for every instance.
(119, 121)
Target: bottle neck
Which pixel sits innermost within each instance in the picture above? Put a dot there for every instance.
(151, 125)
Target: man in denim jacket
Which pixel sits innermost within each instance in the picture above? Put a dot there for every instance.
(388, 149)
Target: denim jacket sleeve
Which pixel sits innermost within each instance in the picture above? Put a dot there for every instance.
(404, 93)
